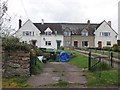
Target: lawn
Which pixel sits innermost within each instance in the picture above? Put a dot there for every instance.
(108, 77)
(15, 82)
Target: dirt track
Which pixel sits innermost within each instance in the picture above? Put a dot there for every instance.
(55, 71)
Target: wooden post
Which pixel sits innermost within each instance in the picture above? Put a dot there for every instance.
(89, 61)
(111, 54)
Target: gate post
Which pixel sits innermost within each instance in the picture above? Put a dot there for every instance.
(111, 54)
(89, 61)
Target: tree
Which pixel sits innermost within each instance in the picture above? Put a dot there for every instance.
(4, 19)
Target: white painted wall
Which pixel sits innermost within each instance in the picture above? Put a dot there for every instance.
(29, 26)
(53, 39)
(104, 27)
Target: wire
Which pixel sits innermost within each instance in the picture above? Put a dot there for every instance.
(24, 9)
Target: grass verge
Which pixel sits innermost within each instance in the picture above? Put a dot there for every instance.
(109, 77)
(15, 82)
(102, 79)
(60, 83)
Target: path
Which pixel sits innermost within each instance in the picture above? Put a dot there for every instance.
(115, 64)
(55, 71)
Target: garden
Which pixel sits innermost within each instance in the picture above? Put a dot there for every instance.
(102, 76)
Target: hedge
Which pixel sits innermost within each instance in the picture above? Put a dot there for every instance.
(12, 43)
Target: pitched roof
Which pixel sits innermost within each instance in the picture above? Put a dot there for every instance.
(53, 26)
(75, 28)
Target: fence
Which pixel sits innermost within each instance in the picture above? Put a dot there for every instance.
(104, 52)
(95, 62)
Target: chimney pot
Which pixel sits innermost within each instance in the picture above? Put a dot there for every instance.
(20, 23)
(42, 21)
(109, 22)
(88, 21)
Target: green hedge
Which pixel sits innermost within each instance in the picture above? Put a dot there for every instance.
(36, 66)
(12, 43)
(115, 47)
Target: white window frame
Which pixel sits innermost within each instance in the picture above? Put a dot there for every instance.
(83, 44)
(67, 33)
(106, 34)
(67, 43)
(28, 33)
(48, 33)
(108, 42)
(84, 33)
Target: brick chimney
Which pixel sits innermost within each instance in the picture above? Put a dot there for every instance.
(20, 23)
(88, 22)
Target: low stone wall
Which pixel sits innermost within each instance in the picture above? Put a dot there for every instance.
(15, 63)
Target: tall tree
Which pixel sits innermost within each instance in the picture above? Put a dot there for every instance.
(4, 19)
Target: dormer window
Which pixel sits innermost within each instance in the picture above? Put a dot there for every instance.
(48, 32)
(67, 33)
(84, 33)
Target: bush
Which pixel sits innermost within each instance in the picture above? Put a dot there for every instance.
(107, 48)
(115, 47)
(61, 48)
(12, 43)
(38, 52)
(72, 55)
(36, 66)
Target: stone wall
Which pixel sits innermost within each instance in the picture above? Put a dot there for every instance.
(15, 63)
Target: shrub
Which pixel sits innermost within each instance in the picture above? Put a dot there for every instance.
(12, 43)
(115, 47)
(62, 48)
(38, 52)
(107, 48)
(72, 55)
(36, 66)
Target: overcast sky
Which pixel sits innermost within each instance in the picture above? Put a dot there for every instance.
(64, 11)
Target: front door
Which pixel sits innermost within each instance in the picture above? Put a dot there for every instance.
(75, 43)
(34, 42)
(58, 44)
(99, 44)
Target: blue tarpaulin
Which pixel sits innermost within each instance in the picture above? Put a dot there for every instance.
(63, 57)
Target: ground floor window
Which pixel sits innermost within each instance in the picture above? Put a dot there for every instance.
(24, 41)
(48, 43)
(75, 43)
(85, 43)
(67, 43)
(108, 43)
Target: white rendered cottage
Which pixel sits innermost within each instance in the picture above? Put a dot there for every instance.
(42, 35)
(105, 35)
